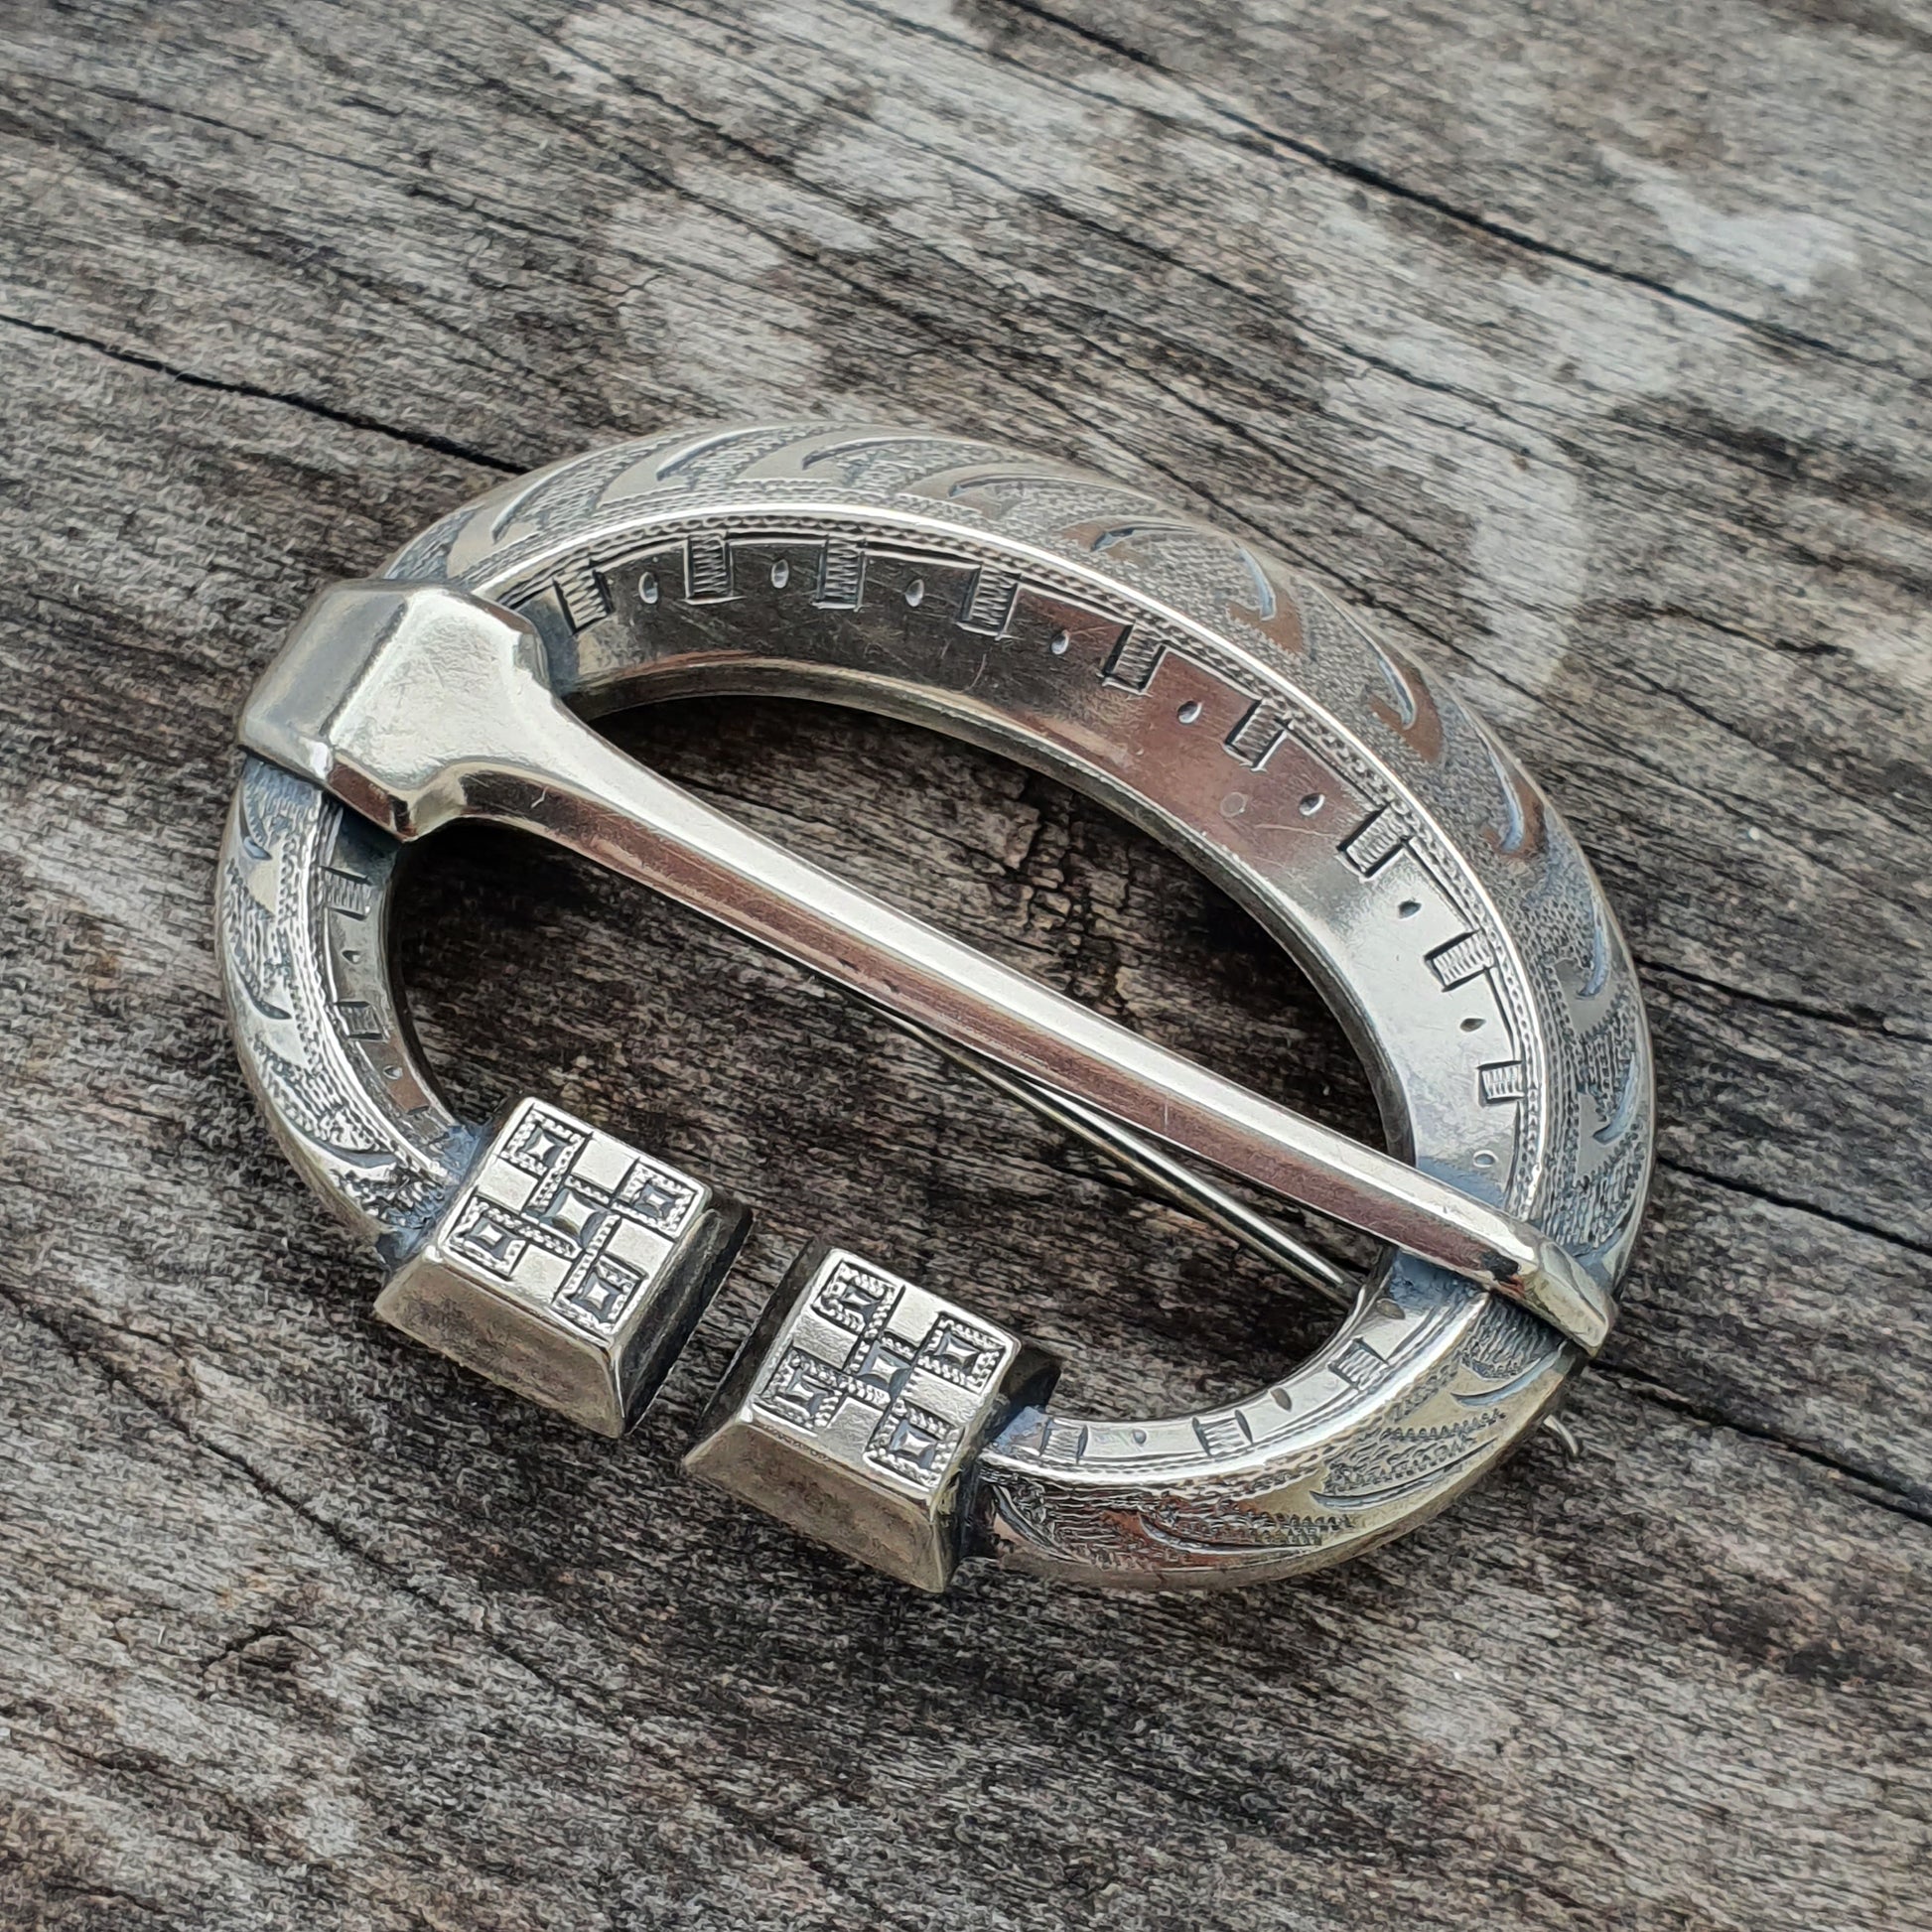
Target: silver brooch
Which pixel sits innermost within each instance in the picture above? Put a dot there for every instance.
(1373, 826)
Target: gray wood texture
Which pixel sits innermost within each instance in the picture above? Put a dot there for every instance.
(1584, 349)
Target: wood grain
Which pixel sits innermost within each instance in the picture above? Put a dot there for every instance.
(1583, 349)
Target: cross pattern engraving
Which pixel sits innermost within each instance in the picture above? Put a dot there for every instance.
(590, 1231)
(866, 1348)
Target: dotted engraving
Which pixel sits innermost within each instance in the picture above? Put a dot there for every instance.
(909, 1365)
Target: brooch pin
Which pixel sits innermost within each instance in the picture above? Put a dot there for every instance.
(1374, 827)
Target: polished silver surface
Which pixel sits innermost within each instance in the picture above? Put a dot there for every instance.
(567, 1265)
(1370, 824)
(856, 1408)
(417, 703)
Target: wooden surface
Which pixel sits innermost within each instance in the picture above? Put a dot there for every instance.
(1583, 348)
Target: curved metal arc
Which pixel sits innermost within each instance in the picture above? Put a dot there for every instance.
(1427, 1381)
(632, 523)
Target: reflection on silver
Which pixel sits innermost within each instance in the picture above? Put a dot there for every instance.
(1369, 823)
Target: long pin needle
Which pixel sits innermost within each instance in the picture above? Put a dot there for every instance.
(1160, 1171)
(1193, 1193)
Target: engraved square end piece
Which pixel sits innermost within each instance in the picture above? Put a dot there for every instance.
(568, 1266)
(856, 1407)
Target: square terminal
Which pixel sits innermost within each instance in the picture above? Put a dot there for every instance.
(567, 1265)
(856, 1407)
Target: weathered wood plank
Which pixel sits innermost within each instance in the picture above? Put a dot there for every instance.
(1587, 354)
(1760, 160)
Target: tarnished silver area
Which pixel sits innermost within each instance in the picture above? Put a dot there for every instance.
(567, 1265)
(856, 1408)
(1183, 677)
